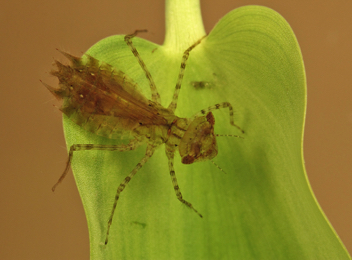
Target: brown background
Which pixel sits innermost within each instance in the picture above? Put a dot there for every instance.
(37, 224)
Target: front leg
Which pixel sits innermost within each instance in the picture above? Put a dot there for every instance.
(170, 156)
(219, 106)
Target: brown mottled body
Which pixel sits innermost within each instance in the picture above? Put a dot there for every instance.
(105, 101)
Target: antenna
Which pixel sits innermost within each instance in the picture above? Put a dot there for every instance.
(218, 167)
(230, 136)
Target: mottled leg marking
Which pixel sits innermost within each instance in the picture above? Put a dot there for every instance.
(128, 40)
(170, 156)
(148, 154)
(133, 144)
(219, 106)
(185, 56)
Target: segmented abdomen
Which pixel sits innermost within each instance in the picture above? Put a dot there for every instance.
(103, 101)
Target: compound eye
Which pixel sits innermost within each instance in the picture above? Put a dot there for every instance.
(188, 159)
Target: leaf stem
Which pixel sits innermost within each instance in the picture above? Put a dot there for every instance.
(184, 24)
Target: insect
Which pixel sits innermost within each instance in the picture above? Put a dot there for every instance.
(201, 84)
(107, 102)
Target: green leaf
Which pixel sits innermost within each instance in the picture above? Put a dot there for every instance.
(263, 207)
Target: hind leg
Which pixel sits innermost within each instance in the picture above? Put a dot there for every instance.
(128, 40)
(133, 144)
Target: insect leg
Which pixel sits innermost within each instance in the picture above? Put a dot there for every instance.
(185, 56)
(149, 152)
(219, 106)
(128, 40)
(170, 156)
(133, 144)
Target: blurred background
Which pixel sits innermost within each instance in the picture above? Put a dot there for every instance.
(38, 224)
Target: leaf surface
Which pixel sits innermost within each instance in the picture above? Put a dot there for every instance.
(263, 207)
